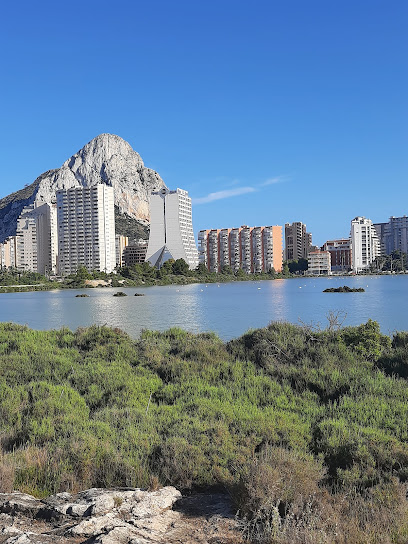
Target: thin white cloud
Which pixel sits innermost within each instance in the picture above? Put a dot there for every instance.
(227, 193)
(233, 182)
(272, 181)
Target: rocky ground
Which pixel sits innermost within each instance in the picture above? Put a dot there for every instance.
(119, 516)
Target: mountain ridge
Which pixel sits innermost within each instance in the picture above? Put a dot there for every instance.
(107, 158)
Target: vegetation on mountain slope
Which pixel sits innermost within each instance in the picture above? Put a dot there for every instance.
(130, 227)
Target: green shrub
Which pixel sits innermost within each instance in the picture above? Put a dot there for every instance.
(306, 427)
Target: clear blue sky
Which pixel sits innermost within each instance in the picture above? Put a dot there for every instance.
(289, 110)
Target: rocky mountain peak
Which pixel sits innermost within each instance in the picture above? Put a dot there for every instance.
(105, 159)
(102, 150)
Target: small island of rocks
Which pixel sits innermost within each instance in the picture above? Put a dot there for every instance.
(120, 294)
(344, 289)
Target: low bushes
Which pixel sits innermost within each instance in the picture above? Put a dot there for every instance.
(306, 428)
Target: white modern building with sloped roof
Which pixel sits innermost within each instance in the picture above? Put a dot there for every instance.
(171, 228)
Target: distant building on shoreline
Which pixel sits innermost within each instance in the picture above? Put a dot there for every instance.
(86, 229)
(8, 253)
(340, 254)
(253, 249)
(135, 252)
(393, 235)
(365, 246)
(171, 228)
(36, 239)
(319, 263)
(298, 242)
(120, 244)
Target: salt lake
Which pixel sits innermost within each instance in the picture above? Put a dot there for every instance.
(229, 309)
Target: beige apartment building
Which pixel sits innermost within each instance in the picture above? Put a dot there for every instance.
(36, 239)
(253, 249)
(298, 242)
(120, 244)
(86, 229)
(8, 253)
(319, 263)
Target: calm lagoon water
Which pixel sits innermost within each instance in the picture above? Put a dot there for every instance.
(228, 309)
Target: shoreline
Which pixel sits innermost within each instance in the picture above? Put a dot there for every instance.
(182, 280)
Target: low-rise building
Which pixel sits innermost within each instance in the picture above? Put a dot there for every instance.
(340, 254)
(319, 263)
(135, 252)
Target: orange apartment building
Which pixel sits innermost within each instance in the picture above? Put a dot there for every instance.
(254, 249)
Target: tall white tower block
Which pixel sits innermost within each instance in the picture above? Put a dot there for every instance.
(365, 246)
(171, 228)
(86, 229)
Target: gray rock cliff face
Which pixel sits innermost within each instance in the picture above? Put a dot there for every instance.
(105, 159)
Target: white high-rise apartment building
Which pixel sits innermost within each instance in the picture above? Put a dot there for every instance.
(86, 229)
(365, 247)
(171, 228)
(36, 239)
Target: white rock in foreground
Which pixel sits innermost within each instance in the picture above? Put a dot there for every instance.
(119, 516)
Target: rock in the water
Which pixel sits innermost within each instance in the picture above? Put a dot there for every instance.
(105, 159)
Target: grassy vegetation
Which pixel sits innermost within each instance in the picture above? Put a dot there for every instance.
(306, 429)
